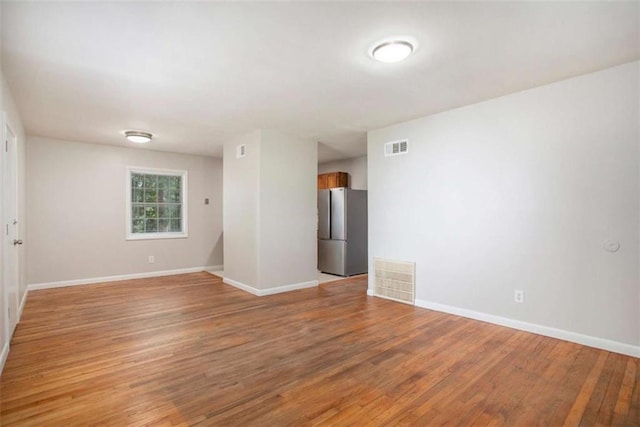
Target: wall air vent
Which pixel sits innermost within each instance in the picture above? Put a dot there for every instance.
(241, 151)
(394, 148)
(395, 280)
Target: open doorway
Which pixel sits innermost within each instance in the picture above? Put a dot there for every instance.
(342, 225)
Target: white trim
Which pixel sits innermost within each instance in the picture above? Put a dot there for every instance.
(22, 303)
(4, 355)
(270, 291)
(118, 278)
(184, 214)
(155, 236)
(4, 292)
(370, 292)
(601, 343)
(287, 288)
(241, 286)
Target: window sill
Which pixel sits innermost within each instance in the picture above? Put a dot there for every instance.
(156, 236)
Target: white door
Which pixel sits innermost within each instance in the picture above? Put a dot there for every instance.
(4, 312)
(11, 227)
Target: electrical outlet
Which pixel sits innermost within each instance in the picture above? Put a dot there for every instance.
(152, 259)
(518, 296)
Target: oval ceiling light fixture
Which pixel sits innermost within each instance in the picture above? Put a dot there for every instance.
(138, 137)
(393, 49)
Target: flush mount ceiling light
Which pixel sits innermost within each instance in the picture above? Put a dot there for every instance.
(138, 137)
(394, 50)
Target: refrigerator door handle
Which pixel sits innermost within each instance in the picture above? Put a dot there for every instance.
(330, 233)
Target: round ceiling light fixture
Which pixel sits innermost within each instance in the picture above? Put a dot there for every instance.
(392, 50)
(138, 137)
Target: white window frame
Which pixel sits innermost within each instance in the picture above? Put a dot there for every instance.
(130, 235)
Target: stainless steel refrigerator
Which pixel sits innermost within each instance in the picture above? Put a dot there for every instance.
(342, 231)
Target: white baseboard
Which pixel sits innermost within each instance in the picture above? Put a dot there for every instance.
(4, 355)
(601, 343)
(24, 300)
(370, 292)
(214, 268)
(93, 280)
(240, 286)
(287, 288)
(270, 291)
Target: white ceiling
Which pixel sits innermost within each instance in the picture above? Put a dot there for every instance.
(196, 74)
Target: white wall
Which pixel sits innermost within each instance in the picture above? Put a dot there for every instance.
(270, 213)
(356, 168)
(240, 209)
(521, 192)
(288, 210)
(76, 202)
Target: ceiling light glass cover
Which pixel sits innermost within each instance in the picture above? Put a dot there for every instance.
(138, 137)
(392, 50)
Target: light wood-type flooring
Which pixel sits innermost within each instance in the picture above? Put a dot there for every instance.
(190, 350)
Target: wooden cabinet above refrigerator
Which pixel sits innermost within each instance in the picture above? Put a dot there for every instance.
(333, 180)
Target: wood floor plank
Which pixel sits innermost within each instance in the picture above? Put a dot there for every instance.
(583, 399)
(189, 350)
(623, 401)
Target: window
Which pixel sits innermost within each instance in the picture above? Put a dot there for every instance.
(156, 203)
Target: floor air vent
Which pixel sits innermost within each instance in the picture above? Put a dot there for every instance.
(395, 280)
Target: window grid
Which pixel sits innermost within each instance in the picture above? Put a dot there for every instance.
(156, 203)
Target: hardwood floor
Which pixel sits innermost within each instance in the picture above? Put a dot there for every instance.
(189, 350)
